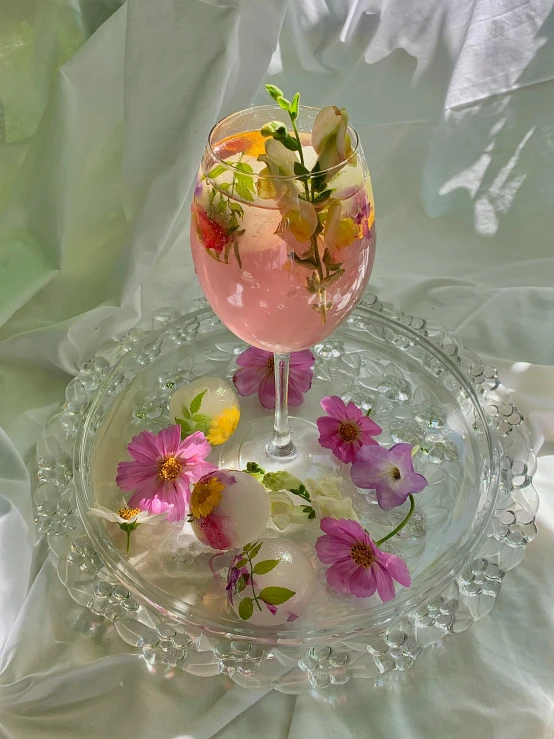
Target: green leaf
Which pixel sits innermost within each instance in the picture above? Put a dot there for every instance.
(248, 547)
(293, 109)
(246, 608)
(243, 167)
(290, 143)
(245, 180)
(301, 492)
(237, 253)
(216, 171)
(322, 196)
(266, 565)
(283, 103)
(312, 514)
(275, 92)
(224, 186)
(254, 467)
(241, 583)
(255, 549)
(185, 411)
(203, 423)
(197, 402)
(275, 596)
(240, 563)
(244, 192)
(300, 169)
(236, 208)
(186, 428)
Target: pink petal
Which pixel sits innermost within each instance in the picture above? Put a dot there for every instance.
(253, 357)
(199, 469)
(385, 585)
(369, 427)
(132, 474)
(266, 392)
(327, 427)
(330, 549)
(152, 504)
(348, 451)
(389, 496)
(396, 567)
(363, 582)
(248, 380)
(353, 412)
(169, 440)
(303, 360)
(366, 440)
(339, 575)
(193, 449)
(300, 379)
(343, 529)
(144, 447)
(296, 397)
(334, 407)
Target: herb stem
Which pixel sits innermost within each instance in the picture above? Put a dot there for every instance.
(256, 601)
(400, 525)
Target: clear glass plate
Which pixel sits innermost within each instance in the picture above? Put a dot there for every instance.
(423, 387)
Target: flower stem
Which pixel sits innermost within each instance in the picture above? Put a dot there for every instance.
(256, 601)
(128, 549)
(400, 525)
(297, 135)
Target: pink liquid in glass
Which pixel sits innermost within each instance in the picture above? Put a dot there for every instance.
(265, 300)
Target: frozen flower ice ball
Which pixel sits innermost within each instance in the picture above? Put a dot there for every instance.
(228, 509)
(209, 405)
(270, 582)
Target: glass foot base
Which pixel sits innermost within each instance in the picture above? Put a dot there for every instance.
(309, 460)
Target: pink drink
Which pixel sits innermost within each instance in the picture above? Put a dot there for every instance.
(255, 279)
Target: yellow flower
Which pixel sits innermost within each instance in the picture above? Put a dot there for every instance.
(223, 426)
(339, 232)
(205, 497)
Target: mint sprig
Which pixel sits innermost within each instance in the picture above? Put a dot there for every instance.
(271, 596)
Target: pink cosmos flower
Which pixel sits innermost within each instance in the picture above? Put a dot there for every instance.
(358, 566)
(257, 374)
(390, 472)
(345, 429)
(162, 470)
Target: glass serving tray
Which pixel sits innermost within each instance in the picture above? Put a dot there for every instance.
(168, 598)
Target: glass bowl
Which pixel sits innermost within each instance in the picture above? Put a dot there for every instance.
(168, 598)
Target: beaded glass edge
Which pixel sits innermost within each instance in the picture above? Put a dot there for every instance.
(167, 645)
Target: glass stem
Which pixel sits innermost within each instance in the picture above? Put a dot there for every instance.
(281, 446)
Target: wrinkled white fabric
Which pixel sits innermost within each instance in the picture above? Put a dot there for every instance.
(104, 110)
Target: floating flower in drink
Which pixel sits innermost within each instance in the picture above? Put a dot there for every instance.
(345, 429)
(256, 374)
(128, 519)
(390, 472)
(163, 469)
(357, 565)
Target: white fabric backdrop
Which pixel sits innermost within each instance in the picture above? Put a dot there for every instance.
(454, 102)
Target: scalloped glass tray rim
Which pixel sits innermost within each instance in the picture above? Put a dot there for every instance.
(445, 570)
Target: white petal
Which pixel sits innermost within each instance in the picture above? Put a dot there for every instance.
(103, 512)
(143, 517)
(326, 124)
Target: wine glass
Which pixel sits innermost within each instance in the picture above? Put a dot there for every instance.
(283, 243)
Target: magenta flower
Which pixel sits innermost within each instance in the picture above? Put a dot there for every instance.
(390, 472)
(257, 374)
(163, 469)
(345, 430)
(358, 566)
